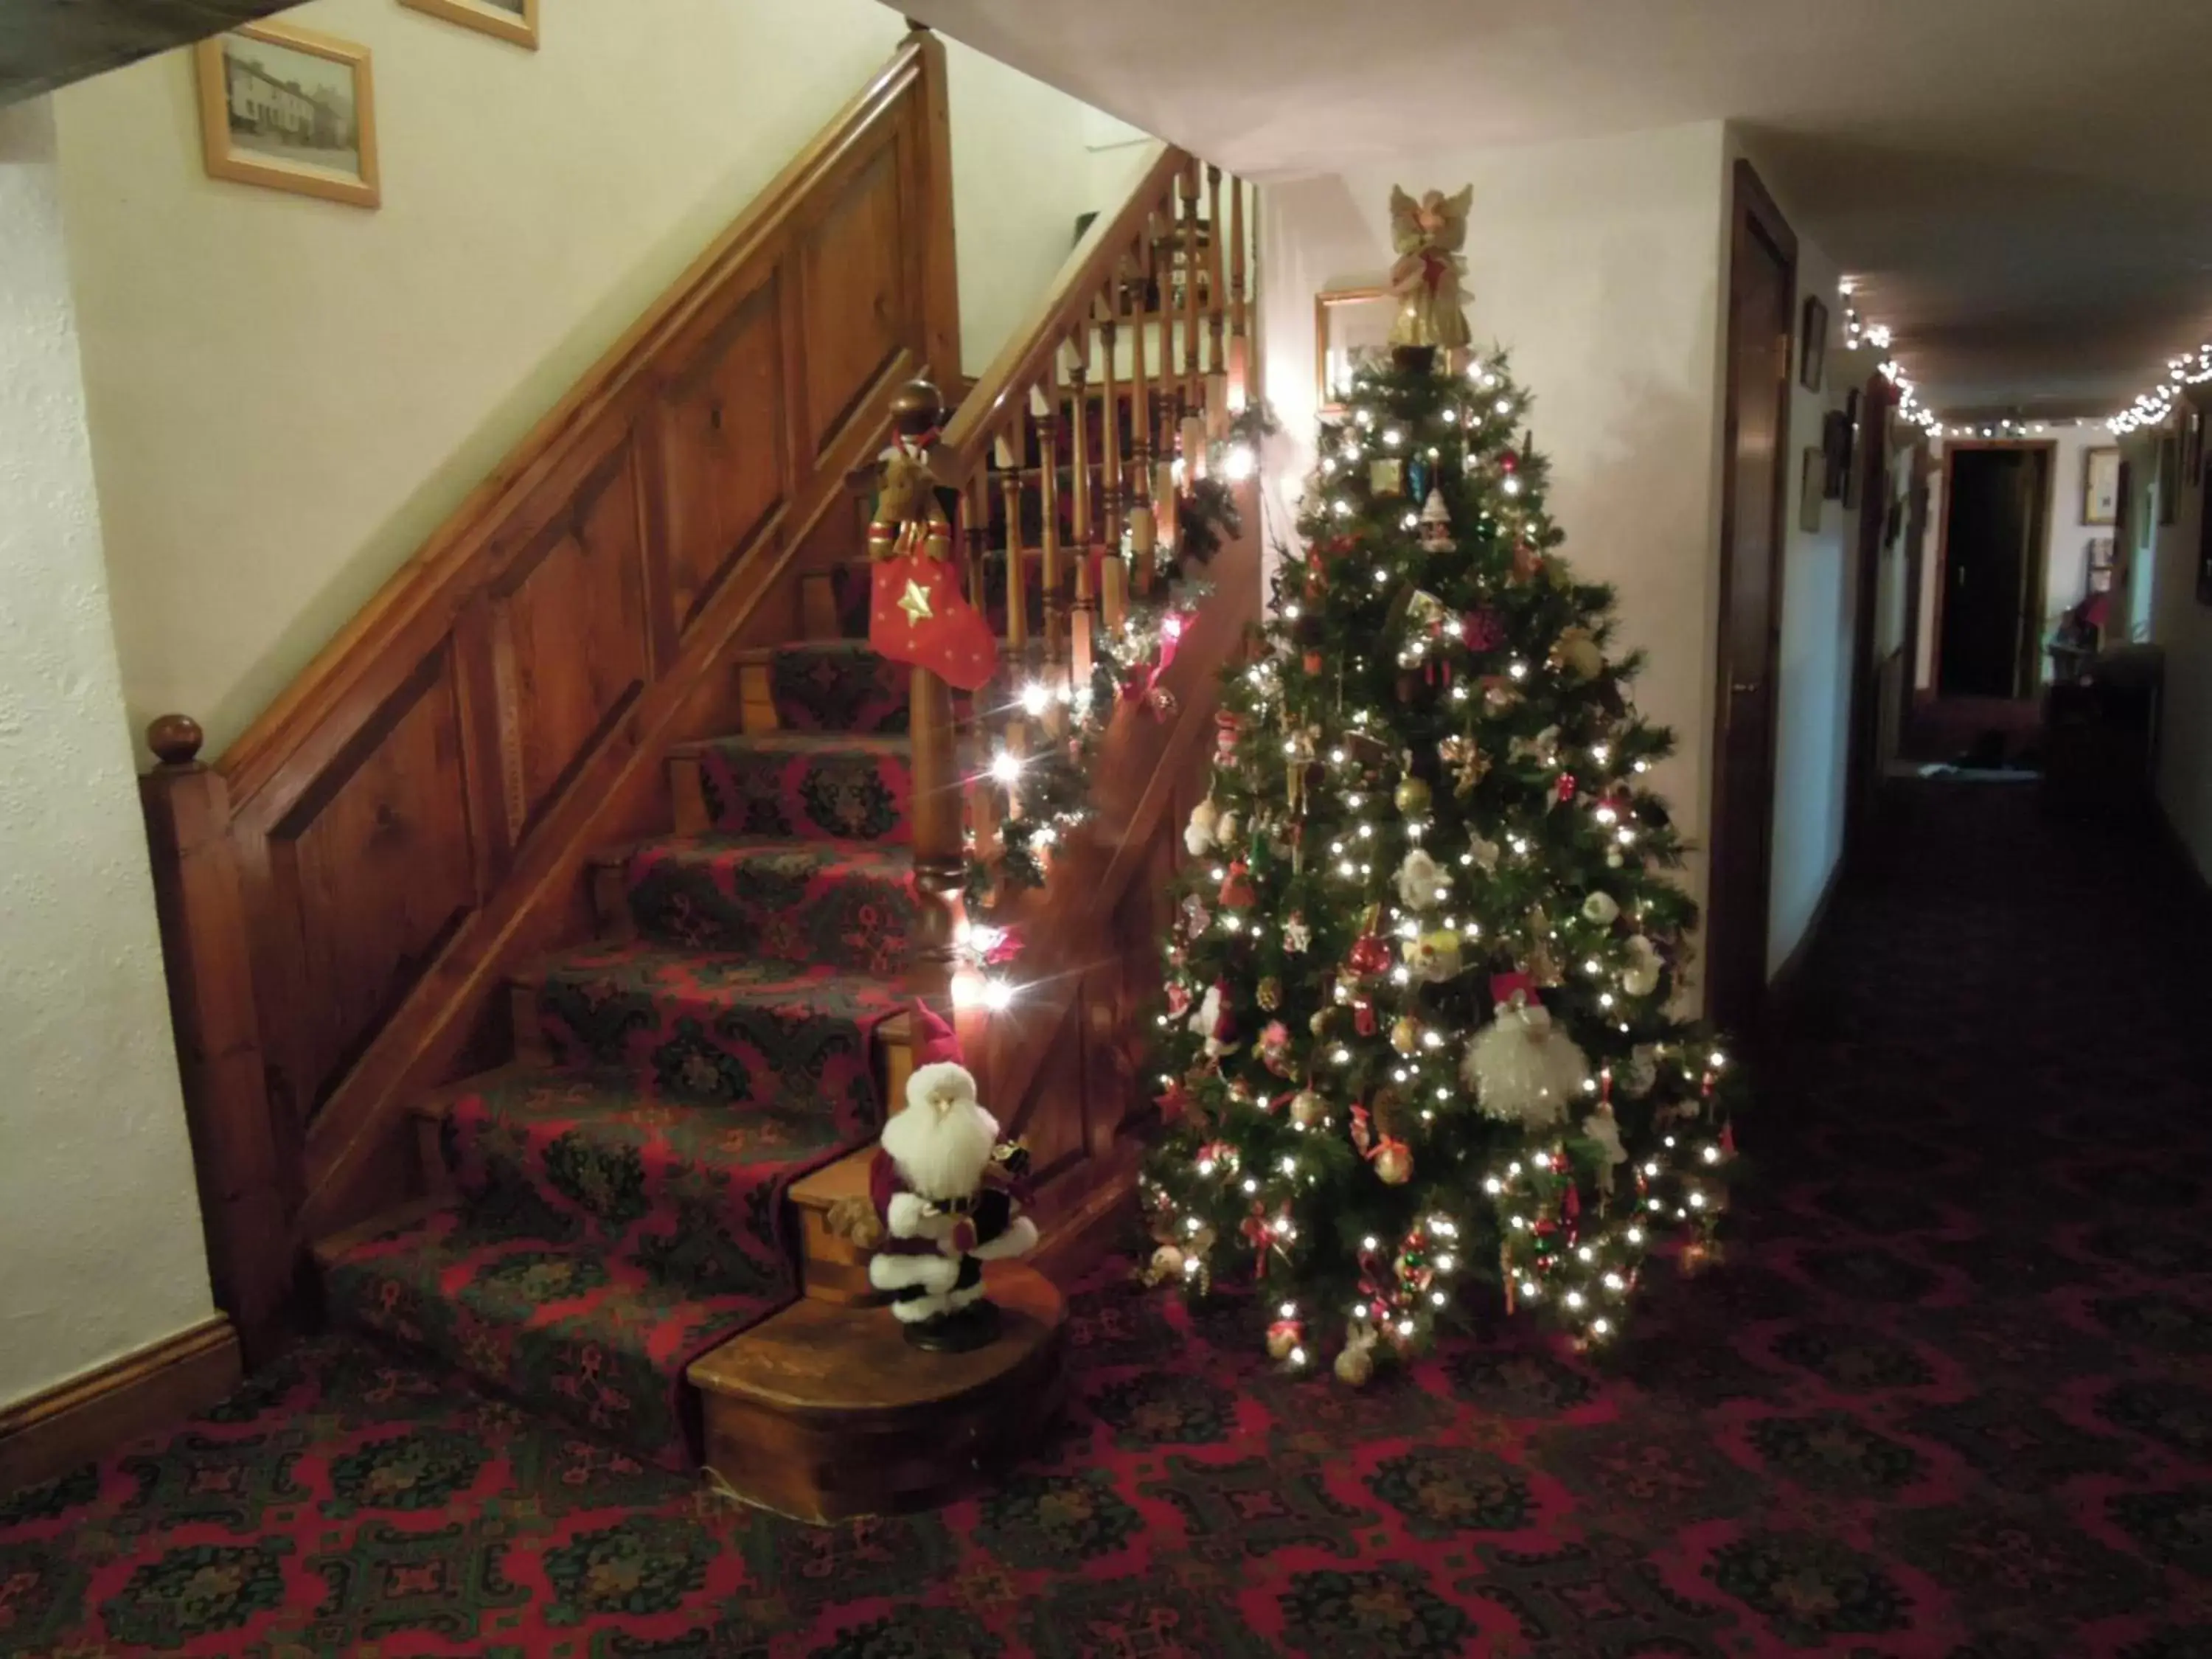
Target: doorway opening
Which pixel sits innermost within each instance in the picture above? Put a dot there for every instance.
(1989, 604)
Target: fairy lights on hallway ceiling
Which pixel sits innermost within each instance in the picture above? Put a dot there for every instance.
(1859, 334)
(2152, 407)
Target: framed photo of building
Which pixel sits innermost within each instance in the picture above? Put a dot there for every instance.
(510, 19)
(1349, 324)
(2100, 486)
(290, 109)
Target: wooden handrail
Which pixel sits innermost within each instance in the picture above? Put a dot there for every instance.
(1001, 390)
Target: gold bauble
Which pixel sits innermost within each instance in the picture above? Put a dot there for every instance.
(1394, 1164)
(1282, 1338)
(1308, 1109)
(1411, 797)
(1406, 1033)
(1270, 993)
(1355, 1367)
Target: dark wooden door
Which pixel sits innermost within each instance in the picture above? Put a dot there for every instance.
(1993, 515)
(1762, 300)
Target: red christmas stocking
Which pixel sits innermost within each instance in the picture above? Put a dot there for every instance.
(918, 615)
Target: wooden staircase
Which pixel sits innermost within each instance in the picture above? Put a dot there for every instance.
(370, 906)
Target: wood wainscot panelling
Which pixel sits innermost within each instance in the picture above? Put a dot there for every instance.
(86, 1417)
(343, 894)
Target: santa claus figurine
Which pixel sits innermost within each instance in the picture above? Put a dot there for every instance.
(943, 1187)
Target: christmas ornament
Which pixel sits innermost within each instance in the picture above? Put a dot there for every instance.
(1543, 748)
(1273, 1047)
(1283, 1337)
(1211, 1015)
(1297, 936)
(1226, 729)
(1642, 1074)
(1236, 892)
(1482, 629)
(1485, 854)
(1640, 978)
(1270, 993)
(1411, 797)
(1528, 562)
(1422, 883)
(1604, 1128)
(1386, 475)
(1406, 1033)
(1369, 955)
(1523, 1069)
(916, 615)
(1600, 908)
(1433, 957)
(1564, 791)
(1394, 1162)
(1355, 1366)
(1225, 830)
(1436, 524)
(1427, 235)
(1167, 1264)
(1197, 835)
(943, 1188)
(1196, 915)
(1308, 1109)
(1467, 761)
(1576, 652)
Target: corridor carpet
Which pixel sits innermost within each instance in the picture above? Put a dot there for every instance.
(1950, 1396)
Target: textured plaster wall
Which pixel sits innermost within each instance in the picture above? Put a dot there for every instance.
(287, 396)
(1596, 264)
(100, 1236)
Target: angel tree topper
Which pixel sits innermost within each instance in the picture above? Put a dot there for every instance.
(1427, 236)
(943, 1188)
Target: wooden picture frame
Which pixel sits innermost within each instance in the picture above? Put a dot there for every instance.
(1813, 345)
(507, 20)
(289, 109)
(2101, 485)
(1812, 489)
(2169, 477)
(1347, 321)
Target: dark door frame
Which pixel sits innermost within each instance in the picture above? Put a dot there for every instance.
(2026, 675)
(1754, 214)
(1876, 489)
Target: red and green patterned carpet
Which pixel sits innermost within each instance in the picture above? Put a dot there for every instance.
(1951, 1396)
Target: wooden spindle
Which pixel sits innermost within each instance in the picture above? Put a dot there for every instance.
(1216, 307)
(1240, 345)
(1081, 617)
(1110, 482)
(1018, 599)
(1046, 416)
(1194, 387)
(939, 854)
(977, 508)
(1144, 529)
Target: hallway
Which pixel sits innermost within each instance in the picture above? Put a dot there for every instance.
(1949, 1396)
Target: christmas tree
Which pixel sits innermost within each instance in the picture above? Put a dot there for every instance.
(1420, 1045)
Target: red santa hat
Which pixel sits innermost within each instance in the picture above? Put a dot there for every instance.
(935, 1042)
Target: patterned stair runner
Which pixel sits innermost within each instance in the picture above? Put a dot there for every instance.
(619, 1195)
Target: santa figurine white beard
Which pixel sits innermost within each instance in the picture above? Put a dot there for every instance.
(942, 1217)
(1524, 1068)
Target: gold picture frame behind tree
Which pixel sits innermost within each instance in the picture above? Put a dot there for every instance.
(289, 109)
(510, 19)
(2101, 484)
(1348, 323)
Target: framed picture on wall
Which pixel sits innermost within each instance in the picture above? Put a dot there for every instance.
(1349, 324)
(510, 19)
(2100, 553)
(2169, 477)
(289, 109)
(1813, 345)
(2192, 446)
(2100, 486)
(1812, 489)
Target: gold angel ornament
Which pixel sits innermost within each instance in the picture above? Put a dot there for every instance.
(1427, 236)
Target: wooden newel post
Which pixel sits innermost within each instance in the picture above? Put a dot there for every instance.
(238, 1149)
(939, 857)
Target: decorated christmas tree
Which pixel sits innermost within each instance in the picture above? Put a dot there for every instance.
(1421, 1047)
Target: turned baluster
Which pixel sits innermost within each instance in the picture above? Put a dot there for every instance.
(1018, 599)
(1046, 416)
(1193, 386)
(939, 860)
(1144, 529)
(976, 507)
(1216, 370)
(1081, 617)
(1113, 569)
(1240, 345)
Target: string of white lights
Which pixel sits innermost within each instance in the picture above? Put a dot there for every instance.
(2152, 407)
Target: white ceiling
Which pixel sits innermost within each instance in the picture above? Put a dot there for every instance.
(2023, 186)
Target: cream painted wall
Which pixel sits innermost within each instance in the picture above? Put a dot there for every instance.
(287, 396)
(1595, 264)
(100, 1238)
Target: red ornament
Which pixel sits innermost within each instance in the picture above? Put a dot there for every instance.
(1482, 630)
(1225, 729)
(1368, 956)
(1362, 1016)
(1567, 786)
(1237, 893)
(1508, 462)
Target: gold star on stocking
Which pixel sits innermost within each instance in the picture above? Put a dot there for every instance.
(915, 603)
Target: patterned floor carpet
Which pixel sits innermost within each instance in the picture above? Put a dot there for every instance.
(1950, 1396)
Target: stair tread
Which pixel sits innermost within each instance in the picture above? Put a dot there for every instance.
(799, 742)
(835, 1182)
(718, 977)
(824, 1359)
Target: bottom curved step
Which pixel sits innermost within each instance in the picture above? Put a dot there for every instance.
(824, 1411)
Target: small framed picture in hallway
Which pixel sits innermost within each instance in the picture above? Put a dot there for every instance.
(510, 19)
(2100, 486)
(1813, 345)
(290, 109)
